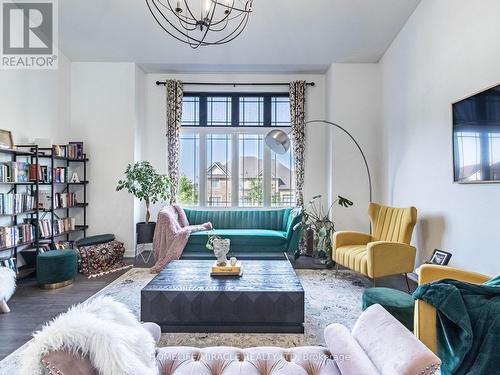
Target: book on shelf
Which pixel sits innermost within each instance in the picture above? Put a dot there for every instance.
(73, 150)
(45, 227)
(43, 247)
(16, 203)
(60, 245)
(58, 226)
(60, 174)
(9, 263)
(64, 200)
(40, 172)
(16, 234)
(14, 171)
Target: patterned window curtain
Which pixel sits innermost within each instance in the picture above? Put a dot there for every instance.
(174, 115)
(297, 109)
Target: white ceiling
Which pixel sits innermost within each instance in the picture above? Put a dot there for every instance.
(281, 36)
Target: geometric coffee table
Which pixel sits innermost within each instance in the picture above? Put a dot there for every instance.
(267, 298)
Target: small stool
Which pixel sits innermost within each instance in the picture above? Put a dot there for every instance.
(56, 268)
(399, 304)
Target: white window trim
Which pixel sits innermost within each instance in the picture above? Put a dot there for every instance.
(202, 132)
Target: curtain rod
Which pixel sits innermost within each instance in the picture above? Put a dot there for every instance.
(235, 83)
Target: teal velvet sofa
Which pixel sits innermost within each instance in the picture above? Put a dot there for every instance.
(254, 234)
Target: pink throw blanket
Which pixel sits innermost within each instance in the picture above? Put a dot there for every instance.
(171, 235)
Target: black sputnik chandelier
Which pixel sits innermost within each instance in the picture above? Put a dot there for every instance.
(201, 22)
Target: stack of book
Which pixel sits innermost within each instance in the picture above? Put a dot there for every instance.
(64, 200)
(14, 171)
(227, 270)
(73, 150)
(60, 174)
(16, 234)
(16, 203)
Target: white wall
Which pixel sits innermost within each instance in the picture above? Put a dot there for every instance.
(35, 103)
(105, 102)
(449, 49)
(153, 135)
(353, 102)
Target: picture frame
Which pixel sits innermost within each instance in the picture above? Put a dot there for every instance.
(6, 140)
(440, 257)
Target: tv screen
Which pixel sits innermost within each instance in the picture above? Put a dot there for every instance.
(476, 137)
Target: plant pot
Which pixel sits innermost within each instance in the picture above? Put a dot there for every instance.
(145, 232)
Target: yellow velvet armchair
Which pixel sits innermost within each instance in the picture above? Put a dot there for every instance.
(425, 314)
(387, 251)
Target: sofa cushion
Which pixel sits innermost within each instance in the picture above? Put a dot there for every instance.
(238, 237)
(354, 257)
(240, 219)
(95, 240)
(252, 361)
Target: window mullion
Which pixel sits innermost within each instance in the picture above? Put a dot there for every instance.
(203, 110)
(267, 176)
(267, 110)
(235, 165)
(203, 170)
(235, 110)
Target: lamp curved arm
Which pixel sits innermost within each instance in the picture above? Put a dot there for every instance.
(355, 142)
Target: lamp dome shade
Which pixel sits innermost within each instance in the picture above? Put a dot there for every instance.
(278, 141)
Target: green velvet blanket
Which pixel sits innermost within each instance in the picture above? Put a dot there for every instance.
(468, 324)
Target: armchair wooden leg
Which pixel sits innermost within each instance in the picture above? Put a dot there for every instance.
(374, 283)
(407, 282)
(336, 269)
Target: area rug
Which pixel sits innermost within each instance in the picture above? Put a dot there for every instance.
(329, 299)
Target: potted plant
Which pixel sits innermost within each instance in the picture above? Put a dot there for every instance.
(317, 220)
(146, 184)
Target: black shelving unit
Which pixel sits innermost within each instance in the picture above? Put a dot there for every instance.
(34, 155)
(47, 153)
(30, 155)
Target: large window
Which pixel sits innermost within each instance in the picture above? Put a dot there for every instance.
(223, 158)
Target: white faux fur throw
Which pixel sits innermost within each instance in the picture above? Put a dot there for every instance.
(7, 283)
(102, 329)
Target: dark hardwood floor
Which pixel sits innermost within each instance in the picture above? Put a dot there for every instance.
(31, 307)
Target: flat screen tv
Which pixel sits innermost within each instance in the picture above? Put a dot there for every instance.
(476, 138)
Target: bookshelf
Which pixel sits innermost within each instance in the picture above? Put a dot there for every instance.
(71, 218)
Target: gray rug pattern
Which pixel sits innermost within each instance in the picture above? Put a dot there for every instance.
(329, 299)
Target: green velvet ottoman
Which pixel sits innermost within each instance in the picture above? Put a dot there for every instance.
(56, 268)
(399, 304)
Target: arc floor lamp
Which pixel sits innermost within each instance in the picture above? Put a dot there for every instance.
(279, 141)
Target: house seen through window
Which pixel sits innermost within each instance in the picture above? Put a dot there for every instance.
(223, 158)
